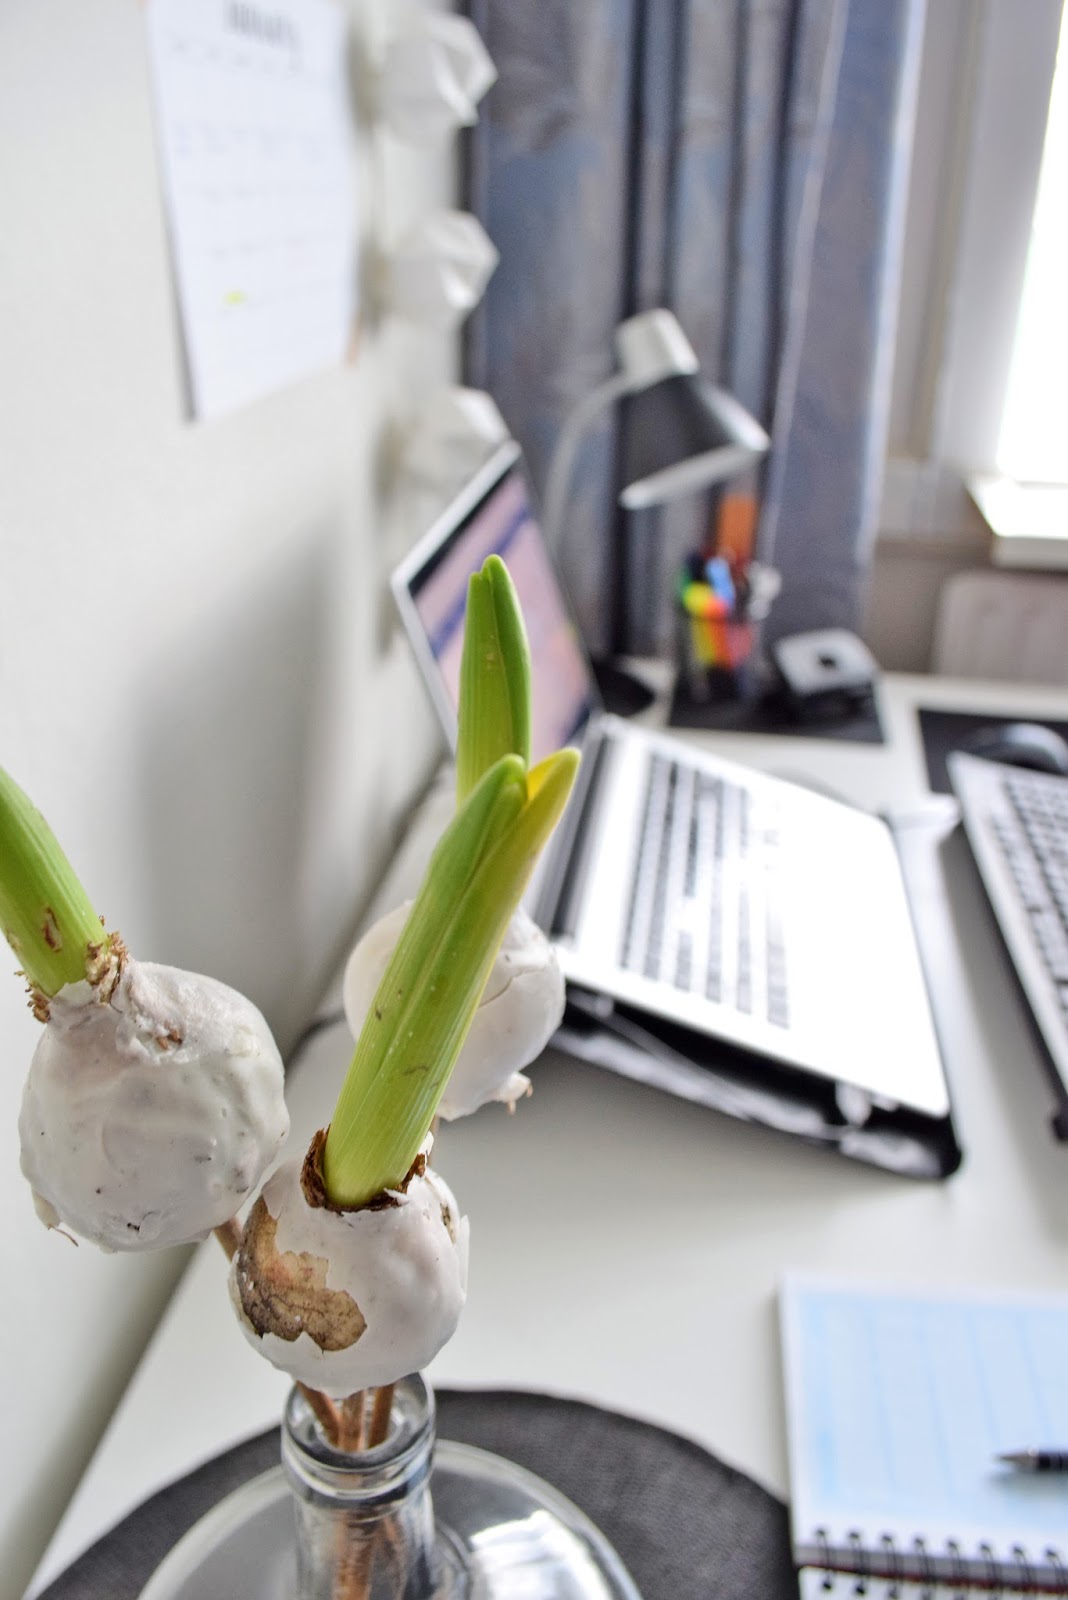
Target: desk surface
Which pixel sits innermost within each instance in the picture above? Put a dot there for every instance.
(626, 1246)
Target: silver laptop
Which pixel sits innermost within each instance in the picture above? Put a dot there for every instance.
(681, 886)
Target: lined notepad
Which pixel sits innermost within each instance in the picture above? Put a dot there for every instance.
(897, 1404)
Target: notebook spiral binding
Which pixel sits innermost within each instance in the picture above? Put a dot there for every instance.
(926, 1563)
(891, 1570)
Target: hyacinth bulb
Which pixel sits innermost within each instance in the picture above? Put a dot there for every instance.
(344, 1299)
(152, 1109)
(520, 1010)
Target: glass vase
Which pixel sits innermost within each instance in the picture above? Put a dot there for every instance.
(364, 1521)
(408, 1519)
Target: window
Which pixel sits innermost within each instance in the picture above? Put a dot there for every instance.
(1033, 443)
(984, 98)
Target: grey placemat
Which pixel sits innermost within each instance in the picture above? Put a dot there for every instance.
(771, 713)
(686, 1526)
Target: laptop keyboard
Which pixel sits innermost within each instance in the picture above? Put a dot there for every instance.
(702, 913)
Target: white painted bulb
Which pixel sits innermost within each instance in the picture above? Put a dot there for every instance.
(149, 1116)
(519, 1011)
(343, 1300)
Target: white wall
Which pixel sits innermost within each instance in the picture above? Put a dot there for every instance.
(194, 683)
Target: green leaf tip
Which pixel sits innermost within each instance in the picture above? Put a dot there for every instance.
(45, 913)
(495, 686)
(431, 988)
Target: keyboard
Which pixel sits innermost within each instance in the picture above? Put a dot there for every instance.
(1017, 826)
(702, 912)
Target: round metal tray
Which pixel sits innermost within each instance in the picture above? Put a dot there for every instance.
(504, 1531)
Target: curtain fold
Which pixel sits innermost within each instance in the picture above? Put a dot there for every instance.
(636, 153)
(832, 417)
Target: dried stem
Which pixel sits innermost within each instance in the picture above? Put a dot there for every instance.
(326, 1413)
(380, 1414)
(353, 1418)
(355, 1562)
(352, 1577)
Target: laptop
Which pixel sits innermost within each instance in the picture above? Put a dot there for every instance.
(682, 889)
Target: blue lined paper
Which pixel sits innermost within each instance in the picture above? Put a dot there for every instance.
(897, 1404)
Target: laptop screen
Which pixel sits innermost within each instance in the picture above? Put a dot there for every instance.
(495, 517)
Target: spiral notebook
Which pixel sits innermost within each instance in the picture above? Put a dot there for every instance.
(897, 1404)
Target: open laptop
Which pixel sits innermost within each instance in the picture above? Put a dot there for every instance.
(679, 886)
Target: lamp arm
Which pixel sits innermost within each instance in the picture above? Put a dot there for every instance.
(562, 462)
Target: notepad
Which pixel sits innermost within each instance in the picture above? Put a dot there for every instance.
(897, 1404)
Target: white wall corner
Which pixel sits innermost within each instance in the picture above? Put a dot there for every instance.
(927, 502)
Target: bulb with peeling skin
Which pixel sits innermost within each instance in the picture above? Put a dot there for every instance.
(150, 1115)
(520, 1010)
(341, 1299)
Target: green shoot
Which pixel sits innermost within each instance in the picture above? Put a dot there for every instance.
(431, 988)
(44, 911)
(495, 693)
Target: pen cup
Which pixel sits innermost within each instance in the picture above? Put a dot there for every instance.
(718, 660)
(718, 630)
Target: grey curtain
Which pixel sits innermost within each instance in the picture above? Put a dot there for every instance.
(743, 162)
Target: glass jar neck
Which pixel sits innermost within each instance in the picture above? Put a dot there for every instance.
(377, 1477)
(364, 1518)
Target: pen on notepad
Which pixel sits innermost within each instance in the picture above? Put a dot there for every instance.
(1036, 1460)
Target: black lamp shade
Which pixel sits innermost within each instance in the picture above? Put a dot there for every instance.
(681, 435)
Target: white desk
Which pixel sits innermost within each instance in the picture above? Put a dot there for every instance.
(626, 1246)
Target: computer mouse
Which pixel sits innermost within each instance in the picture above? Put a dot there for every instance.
(1020, 744)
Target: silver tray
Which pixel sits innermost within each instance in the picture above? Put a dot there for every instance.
(497, 1523)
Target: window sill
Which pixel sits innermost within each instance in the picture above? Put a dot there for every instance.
(1029, 521)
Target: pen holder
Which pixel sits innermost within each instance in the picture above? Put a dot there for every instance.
(719, 623)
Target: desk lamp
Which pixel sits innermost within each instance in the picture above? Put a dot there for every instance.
(680, 434)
